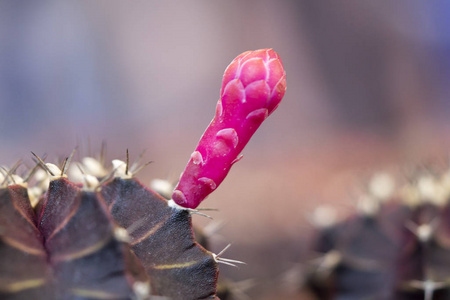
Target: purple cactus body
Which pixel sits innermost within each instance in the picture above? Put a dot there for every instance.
(253, 86)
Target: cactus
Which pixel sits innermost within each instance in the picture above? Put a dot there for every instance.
(396, 247)
(81, 231)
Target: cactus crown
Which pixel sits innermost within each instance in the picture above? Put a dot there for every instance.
(101, 234)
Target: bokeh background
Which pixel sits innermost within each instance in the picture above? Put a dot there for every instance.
(367, 91)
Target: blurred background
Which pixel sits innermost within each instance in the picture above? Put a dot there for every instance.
(367, 91)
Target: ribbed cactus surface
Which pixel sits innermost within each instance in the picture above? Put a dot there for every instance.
(114, 240)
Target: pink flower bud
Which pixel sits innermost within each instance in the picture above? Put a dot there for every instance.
(253, 86)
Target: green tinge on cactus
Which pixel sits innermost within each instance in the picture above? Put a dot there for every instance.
(397, 247)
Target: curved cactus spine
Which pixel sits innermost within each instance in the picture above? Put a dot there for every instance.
(253, 86)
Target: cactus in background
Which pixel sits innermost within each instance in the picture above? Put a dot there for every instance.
(396, 247)
(85, 232)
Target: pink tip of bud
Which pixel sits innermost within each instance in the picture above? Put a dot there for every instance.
(253, 85)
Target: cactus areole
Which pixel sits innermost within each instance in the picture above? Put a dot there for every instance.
(253, 86)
